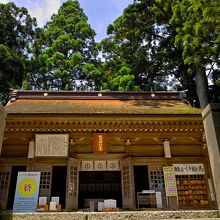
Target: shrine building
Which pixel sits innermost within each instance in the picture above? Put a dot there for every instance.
(142, 149)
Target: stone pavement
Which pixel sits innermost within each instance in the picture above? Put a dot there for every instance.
(124, 215)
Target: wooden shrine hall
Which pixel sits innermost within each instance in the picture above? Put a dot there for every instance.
(142, 149)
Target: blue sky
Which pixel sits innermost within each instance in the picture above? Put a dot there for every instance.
(100, 12)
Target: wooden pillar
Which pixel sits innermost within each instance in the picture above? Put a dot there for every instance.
(211, 121)
(2, 124)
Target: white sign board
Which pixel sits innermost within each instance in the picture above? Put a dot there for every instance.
(100, 166)
(189, 169)
(52, 145)
(170, 181)
(148, 191)
(42, 200)
(110, 203)
(87, 166)
(100, 206)
(109, 165)
(159, 200)
(26, 194)
(113, 165)
(55, 199)
(53, 206)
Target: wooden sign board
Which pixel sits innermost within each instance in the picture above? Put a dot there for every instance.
(100, 143)
(52, 145)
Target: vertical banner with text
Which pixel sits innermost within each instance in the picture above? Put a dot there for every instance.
(27, 190)
(170, 181)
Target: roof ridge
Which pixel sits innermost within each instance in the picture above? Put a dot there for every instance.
(97, 95)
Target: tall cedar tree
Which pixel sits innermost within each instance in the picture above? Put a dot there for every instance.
(198, 32)
(16, 36)
(65, 52)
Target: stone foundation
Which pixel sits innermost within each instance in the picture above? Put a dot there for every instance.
(153, 215)
(131, 215)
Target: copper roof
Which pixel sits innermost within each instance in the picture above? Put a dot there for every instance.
(38, 102)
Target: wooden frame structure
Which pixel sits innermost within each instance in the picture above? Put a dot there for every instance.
(135, 125)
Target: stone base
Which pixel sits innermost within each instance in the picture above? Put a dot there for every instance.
(129, 215)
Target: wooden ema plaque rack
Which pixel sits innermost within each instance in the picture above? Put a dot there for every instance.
(192, 191)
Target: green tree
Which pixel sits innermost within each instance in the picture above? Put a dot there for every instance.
(198, 33)
(156, 39)
(132, 42)
(143, 40)
(16, 35)
(65, 52)
(169, 53)
(11, 72)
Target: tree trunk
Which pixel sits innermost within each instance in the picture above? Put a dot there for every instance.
(202, 86)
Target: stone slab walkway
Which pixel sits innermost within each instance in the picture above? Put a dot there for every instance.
(125, 215)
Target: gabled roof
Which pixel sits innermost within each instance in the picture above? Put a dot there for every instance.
(64, 102)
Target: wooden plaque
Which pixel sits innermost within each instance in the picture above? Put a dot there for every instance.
(52, 145)
(100, 143)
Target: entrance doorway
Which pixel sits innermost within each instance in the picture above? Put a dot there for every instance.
(58, 188)
(140, 179)
(13, 182)
(99, 185)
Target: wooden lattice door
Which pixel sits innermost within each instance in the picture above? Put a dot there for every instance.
(72, 184)
(127, 184)
(45, 181)
(4, 186)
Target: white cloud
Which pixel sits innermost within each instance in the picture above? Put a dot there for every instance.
(98, 16)
(4, 1)
(41, 9)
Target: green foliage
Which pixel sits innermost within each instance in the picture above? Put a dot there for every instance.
(199, 34)
(154, 44)
(68, 51)
(123, 83)
(131, 44)
(16, 36)
(165, 39)
(11, 67)
(123, 80)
